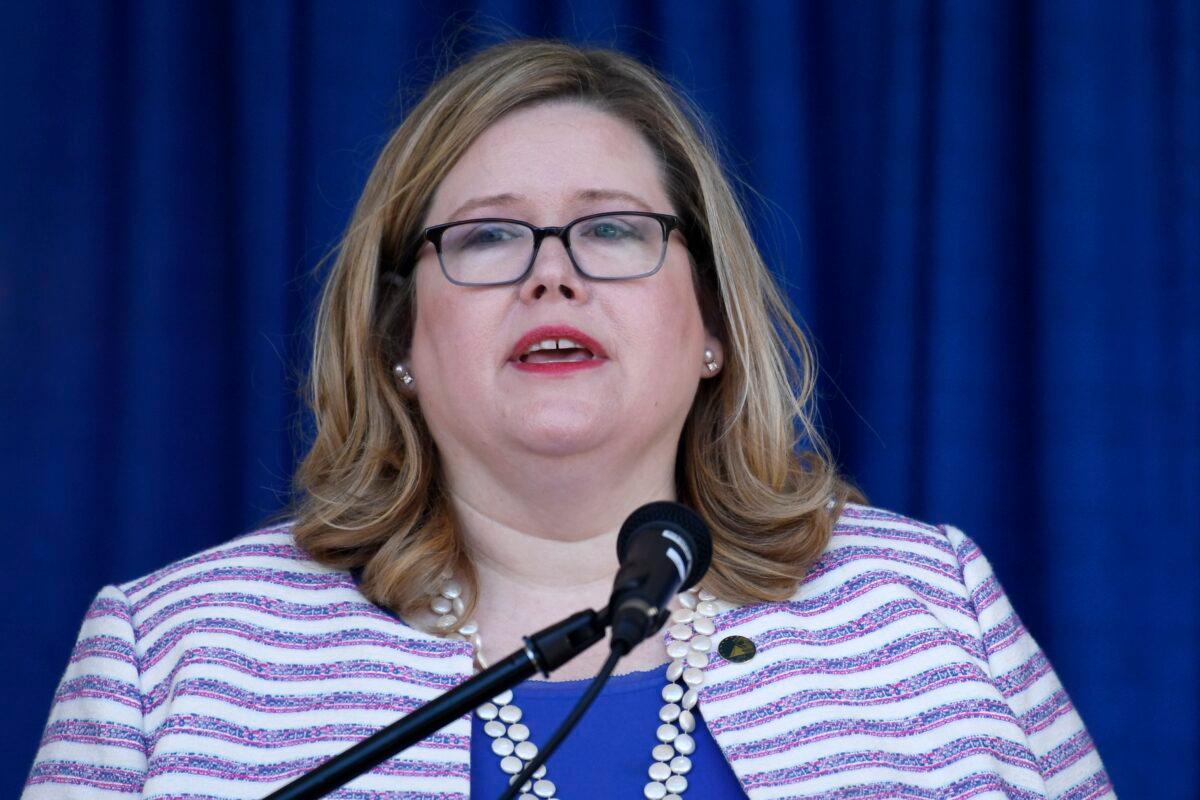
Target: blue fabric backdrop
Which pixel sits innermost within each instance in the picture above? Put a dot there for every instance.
(987, 213)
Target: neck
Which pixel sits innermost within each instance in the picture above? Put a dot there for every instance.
(547, 548)
(557, 496)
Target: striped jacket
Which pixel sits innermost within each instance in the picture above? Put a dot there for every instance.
(899, 669)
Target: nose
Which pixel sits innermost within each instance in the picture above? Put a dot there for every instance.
(553, 273)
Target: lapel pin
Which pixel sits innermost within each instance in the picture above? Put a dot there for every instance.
(736, 649)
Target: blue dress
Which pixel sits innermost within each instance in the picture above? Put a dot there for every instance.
(608, 754)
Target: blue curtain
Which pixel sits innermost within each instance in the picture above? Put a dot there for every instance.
(988, 214)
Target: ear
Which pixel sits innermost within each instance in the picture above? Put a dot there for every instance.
(710, 368)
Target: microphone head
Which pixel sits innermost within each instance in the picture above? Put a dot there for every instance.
(687, 524)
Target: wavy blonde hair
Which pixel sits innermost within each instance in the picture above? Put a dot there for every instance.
(751, 460)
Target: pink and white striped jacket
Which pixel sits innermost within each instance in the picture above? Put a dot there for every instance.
(899, 669)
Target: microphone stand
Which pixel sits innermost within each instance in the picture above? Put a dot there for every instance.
(546, 650)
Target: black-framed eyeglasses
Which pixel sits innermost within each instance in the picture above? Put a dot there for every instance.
(494, 251)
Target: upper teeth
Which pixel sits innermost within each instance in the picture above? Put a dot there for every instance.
(554, 344)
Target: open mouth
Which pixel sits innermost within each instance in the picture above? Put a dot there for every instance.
(555, 351)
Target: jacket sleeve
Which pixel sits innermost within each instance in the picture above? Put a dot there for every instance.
(94, 745)
(1070, 765)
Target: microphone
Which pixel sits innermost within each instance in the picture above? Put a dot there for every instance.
(664, 548)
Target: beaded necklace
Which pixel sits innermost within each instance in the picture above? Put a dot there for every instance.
(688, 646)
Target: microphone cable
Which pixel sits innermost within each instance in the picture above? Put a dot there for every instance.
(565, 727)
(662, 547)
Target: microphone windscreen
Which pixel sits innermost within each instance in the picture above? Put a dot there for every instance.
(682, 520)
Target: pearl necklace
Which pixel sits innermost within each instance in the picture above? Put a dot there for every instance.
(688, 647)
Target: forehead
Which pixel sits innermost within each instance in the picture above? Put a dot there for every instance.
(551, 159)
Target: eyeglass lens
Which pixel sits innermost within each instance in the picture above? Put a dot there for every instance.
(613, 246)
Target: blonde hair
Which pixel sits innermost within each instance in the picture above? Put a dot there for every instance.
(369, 492)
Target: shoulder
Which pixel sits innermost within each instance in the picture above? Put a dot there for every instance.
(939, 562)
(257, 590)
(261, 595)
(266, 559)
(887, 597)
(875, 538)
(881, 566)
(249, 656)
(876, 549)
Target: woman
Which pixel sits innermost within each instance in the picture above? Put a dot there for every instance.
(547, 311)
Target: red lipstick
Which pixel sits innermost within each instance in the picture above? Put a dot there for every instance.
(545, 332)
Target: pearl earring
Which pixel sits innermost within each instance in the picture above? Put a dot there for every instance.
(402, 374)
(710, 361)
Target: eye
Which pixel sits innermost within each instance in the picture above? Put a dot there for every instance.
(488, 234)
(610, 229)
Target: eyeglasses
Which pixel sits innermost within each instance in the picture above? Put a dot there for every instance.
(604, 247)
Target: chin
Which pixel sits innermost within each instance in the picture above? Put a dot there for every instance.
(563, 431)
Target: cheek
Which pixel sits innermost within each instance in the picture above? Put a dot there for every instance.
(671, 330)
(447, 336)
(683, 311)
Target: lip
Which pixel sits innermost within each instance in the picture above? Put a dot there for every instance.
(599, 356)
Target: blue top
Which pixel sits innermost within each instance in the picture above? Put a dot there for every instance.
(608, 754)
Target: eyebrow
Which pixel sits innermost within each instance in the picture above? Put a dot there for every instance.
(586, 195)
